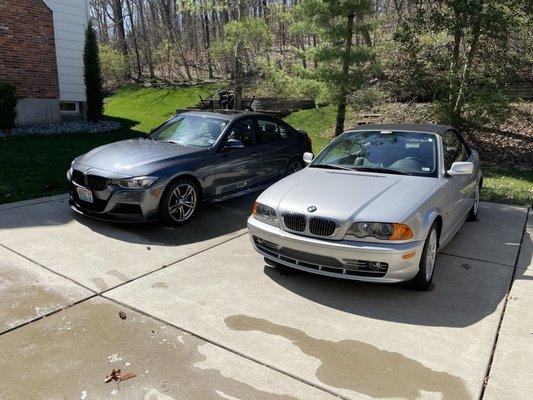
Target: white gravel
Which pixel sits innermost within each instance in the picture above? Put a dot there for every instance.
(65, 127)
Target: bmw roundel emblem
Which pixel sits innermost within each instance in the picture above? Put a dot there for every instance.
(88, 170)
(311, 208)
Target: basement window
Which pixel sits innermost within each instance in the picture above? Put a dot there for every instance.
(69, 107)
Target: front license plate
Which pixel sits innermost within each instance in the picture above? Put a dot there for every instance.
(85, 194)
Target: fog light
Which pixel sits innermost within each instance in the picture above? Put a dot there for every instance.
(374, 264)
(156, 192)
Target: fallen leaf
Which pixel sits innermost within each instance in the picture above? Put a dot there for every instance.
(127, 376)
(115, 375)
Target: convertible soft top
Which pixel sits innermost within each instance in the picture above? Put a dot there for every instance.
(429, 128)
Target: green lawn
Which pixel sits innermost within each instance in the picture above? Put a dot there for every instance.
(315, 122)
(147, 108)
(507, 186)
(35, 166)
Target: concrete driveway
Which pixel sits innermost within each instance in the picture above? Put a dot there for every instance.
(205, 318)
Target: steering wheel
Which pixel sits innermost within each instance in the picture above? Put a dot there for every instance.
(417, 159)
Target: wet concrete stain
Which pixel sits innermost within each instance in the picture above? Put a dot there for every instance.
(24, 297)
(118, 274)
(361, 367)
(159, 285)
(100, 284)
(68, 353)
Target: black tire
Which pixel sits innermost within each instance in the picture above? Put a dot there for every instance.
(294, 165)
(184, 207)
(472, 214)
(422, 280)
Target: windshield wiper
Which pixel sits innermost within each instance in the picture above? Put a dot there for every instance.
(331, 166)
(383, 170)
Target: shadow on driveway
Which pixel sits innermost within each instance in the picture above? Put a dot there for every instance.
(212, 221)
(464, 292)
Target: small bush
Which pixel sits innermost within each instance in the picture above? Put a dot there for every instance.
(8, 105)
(114, 67)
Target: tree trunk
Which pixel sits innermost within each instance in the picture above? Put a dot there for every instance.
(134, 38)
(315, 64)
(238, 75)
(146, 36)
(341, 110)
(465, 75)
(168, 12)
(304, 58)
(121, 33)
(208, 46)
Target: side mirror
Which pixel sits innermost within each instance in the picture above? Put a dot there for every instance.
(461, 168)
(308, 157)
(233, 144)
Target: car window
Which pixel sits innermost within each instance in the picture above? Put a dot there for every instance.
(454, 149)
(402, 152)
(243, 130)
(269, 131)
(284, 131)
(190, 130)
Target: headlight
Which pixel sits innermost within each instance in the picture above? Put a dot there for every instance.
(265, 213)
(380, 230)
(136, 183)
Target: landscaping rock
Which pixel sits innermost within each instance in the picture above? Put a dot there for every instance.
(64, 127)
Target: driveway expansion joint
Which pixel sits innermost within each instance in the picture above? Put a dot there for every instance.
(480, 260)
(48, 268)
(31, 321)
(229, 349)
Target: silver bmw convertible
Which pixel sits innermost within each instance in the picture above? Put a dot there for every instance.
(375, 205)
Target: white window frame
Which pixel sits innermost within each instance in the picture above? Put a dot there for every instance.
(77, 111)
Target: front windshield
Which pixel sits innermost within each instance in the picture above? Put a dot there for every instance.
(410, 153)
(190, 130)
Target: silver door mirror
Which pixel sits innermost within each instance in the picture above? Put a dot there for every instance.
(308, 157)
(461, 168)
(233, 144)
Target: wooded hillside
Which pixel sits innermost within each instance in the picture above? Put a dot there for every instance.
(466, 55)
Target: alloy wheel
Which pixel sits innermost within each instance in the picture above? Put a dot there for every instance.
(182, 202)
(476, 201)
(431, 254)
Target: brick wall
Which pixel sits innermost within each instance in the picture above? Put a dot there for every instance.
(27, 48)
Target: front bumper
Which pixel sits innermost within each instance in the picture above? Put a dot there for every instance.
(115, 204)
(343, 259)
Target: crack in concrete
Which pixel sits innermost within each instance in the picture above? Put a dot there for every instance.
(478, 259)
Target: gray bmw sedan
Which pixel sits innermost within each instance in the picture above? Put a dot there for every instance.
(195, 157)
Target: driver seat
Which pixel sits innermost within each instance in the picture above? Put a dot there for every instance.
(425, 153)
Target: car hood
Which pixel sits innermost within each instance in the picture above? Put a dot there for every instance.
(136, 156)
(349, 196)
